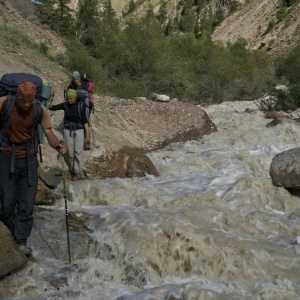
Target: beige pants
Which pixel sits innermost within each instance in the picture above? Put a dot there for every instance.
(74, 157)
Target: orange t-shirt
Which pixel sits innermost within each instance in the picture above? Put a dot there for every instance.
(18, 128)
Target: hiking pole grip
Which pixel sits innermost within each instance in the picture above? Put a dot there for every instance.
(66, 206)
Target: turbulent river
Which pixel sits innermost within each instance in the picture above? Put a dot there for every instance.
(212, 226)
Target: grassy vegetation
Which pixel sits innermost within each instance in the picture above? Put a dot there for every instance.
(182, 66)
(17, 38)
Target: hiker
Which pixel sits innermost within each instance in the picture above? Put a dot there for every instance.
(19, 162)
(84, 89)
(75, 82)
(76, 132)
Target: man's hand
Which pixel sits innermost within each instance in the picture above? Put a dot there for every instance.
(61, 148)
(87, 145)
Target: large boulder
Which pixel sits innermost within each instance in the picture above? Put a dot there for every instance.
(132, 163)
(11, 259)
(144, 124)
(125, 163)
(285, 169)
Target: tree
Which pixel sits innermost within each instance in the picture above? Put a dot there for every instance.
(57, 14)
(141, 43)
(106, 39)
(66, 20)
(108, 11)
(288, 66)
(187, 19)
(162, 14)
(45, 11)
(131, 7)
(87, 19)
(150, 13)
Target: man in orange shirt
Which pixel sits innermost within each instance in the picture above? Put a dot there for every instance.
(19, 163)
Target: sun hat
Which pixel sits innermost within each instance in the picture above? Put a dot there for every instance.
(71, 93)
(76, 74)
(26, 90)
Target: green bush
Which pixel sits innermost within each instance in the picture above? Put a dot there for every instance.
(16, 37)
(289, 3)
(288, 66)
(271, 25)
(231, 73)
(287, 99)
(281, 14)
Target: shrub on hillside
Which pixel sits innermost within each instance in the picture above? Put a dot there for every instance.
(287, 99)
(288, 70)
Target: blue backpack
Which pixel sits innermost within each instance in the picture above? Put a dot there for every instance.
(8, 87)
(9, 83)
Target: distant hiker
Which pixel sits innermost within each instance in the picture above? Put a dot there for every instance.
(75, 82)
(19, 162)
(76, 132)
(84, 89)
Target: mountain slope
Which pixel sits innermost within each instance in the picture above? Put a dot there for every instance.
(256, 21)
(20, 40)
(252, 23)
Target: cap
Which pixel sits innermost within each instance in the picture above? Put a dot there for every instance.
(71, 93)
(76, 74)
(26, 90)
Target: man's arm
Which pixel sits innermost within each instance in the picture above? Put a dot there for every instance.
(87, 138)
(51, 137)
(87, 131)
(54, 142)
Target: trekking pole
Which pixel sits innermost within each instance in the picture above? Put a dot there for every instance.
(92, 130)
(40, 152)
(66, 207)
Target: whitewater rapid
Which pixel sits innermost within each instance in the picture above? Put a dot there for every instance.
(212, 226)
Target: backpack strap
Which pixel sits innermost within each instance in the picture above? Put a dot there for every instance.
(80, 106)
(11, 98)
(37, 112)
(36, 120)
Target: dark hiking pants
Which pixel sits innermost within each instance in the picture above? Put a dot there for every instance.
(17, 196)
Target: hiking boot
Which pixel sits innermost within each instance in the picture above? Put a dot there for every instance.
(25, 250)
(78, 177)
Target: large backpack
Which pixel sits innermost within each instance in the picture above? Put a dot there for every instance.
(8, 87)
(9, 82)
(87, 86)
(82, 95)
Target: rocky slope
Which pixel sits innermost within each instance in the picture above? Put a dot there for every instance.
(257, 21)
(252, 23)
(18, 30)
